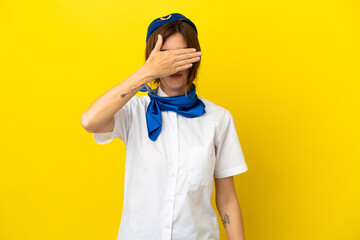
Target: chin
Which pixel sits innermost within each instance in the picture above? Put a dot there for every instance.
(174, 82)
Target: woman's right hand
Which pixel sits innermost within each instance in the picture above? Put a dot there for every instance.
(165, 63)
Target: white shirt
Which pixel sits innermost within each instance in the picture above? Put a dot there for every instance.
(169, 182)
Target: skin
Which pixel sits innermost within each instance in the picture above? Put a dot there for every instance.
(174, 86)
(229, 209)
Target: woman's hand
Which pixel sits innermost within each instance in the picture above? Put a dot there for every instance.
(165, 63)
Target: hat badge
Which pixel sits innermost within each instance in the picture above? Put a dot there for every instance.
(166, 18)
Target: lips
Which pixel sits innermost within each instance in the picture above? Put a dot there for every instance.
(176, 75)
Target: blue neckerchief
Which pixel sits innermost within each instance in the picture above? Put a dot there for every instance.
(144, 89)
(189, 106)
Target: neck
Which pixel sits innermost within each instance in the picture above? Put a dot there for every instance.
(172, 92)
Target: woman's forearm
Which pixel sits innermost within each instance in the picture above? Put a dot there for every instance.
(105, 107)
(231, 217)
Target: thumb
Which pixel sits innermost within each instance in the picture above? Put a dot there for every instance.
(158, 43)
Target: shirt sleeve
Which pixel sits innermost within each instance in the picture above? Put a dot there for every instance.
(230, 159)
(122, 120)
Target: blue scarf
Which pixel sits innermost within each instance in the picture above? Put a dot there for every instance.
(189, 106)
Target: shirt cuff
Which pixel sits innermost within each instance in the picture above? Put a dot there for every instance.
(231, 171)
(104, 138)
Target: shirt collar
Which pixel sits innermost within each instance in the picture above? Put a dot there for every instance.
(161, 93)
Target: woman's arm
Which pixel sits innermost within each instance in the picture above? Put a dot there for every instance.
(229, 208)
(99, 116)
(104, 108)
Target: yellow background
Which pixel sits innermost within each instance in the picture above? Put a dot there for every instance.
(288, 71)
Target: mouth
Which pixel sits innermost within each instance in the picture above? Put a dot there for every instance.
(176, 75)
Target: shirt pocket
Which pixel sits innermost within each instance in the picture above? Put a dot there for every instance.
(201, 164)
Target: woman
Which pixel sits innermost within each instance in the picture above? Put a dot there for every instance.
(176, 142)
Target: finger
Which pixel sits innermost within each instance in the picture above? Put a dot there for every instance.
(187, 61)
(158, 43)
(182, 51)
(180, 68)
(187, 56)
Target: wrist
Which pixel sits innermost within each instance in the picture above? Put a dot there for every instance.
(147, 72)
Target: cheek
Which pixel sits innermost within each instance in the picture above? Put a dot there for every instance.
(186, 72)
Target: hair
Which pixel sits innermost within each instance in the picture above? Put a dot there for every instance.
(190, 37)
